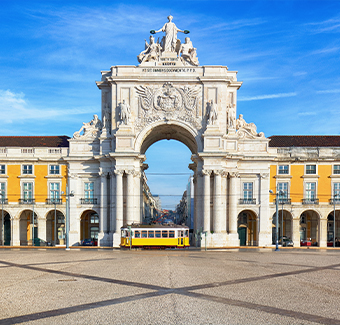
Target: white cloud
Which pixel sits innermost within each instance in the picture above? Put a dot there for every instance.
(306, 113)
(14, 107)
(329, 25)
(328, 91)
(272, 96)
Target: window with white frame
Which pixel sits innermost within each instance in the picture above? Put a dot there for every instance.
(54, 170)
(2, 169)
(55, 191)
(282, 188)
(27, 169)
(2, 191)
(311, 191)
(247, 191)
(27, 192)
(89, 191)
(336, 169)
(336, 191)
(283, 169)
(311, 169)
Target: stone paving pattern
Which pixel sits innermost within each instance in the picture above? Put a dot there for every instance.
(90, 286)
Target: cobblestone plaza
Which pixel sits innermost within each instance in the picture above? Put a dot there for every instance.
(105, 286)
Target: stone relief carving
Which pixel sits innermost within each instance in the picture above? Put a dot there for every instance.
(124, 112)
(247, 130)
(90, 130)
(167, 102)
(211, 112)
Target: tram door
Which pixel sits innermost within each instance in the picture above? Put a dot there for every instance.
(180, 238)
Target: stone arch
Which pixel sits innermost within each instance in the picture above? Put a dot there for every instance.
(174, 130)
(333, 235)
(55, 227)
(89, 224)
(285, 225)
(26, 226)
(310, 227)
(247, 227)
(5, 227)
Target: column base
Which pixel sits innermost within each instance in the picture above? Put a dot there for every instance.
(215, 240)
(116, 239)
(104, 239)
(233, 239)
(265, 239)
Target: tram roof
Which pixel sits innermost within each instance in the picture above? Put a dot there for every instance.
(156, 225)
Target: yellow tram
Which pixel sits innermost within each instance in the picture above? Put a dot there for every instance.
(155, 236)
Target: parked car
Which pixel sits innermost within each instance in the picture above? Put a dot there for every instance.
(88, 242)
(41, 242)
(286, 242)
(305, 242)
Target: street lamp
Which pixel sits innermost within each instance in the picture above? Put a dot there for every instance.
(2, 218)
(277, 217)
(335, 195)
(68, 195)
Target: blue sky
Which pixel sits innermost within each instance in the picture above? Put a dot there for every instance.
(286, 53)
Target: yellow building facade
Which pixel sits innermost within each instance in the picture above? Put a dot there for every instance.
(306, 180)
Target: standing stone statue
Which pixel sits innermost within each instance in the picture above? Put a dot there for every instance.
(170, 39)
(125, 112)
(211, 112)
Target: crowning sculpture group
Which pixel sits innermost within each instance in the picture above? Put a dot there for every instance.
(168, 98)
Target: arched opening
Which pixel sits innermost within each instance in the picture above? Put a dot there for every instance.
(333, 235)
(309, 228)
(27, 230)
(5, 228)
(89, 226)
(169, 181)
(285, 223)
(247, 228)
(55, 227)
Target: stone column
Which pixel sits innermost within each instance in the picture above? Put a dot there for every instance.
(323, 232)
(41, 228)
(119, 200)
(15, 235)
(137, 197)
(296, 231)
(217, 200)
(103, 203)
(130, 197)
(264, 229)
(195, 202)
(232, 203)
(206, 200)
(199, 196)
(113, 203)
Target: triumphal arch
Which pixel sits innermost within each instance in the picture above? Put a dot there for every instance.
(170, 96)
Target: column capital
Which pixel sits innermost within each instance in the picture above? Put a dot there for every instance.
(220, 172)
(234, 174)
(119, 171)
(206, 172)
(264, 175)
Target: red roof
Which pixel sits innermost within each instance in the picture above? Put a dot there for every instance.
(37, 141)
(304, 141)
